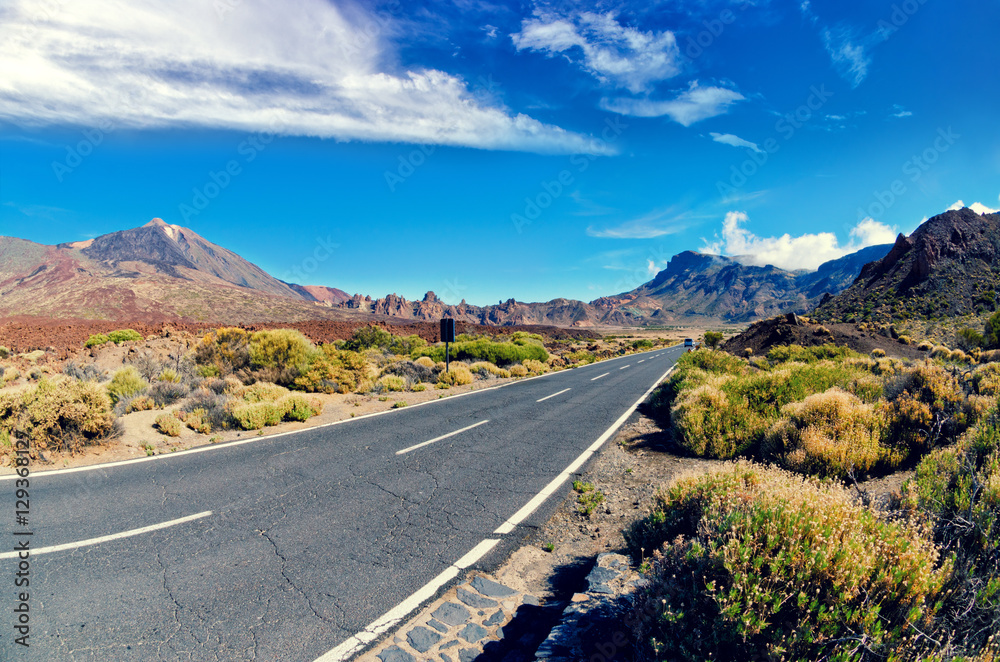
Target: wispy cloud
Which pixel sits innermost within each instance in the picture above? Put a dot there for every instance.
(847, 51)
(302, 67)
(693, 105)
(613, 53)
(899, 112)
(657, 223)
(805, 251)
(734, 141)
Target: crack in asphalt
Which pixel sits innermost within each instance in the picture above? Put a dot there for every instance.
(288, 579)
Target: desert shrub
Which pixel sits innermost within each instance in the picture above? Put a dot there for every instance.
(58, 413)
(124, 335)
(225, 351)
(958, 356)
(535, 367)
(986, 379)
(878, 353)
(140, 403)
(418, 388)
(828, 434)
(167, 393)
(425, 361)
(216, 385)
(280, 355)
(11, 375)
(581, 356)
(518, 371)
(799, 354)
(147, 365)
(457, 376)
(125, 383)
(906, 340)
(958, 488)
(712, 339)
(209, 411)
(86, 373)
(940, 352)
(752, 563)
(168, 425)
(257, 415)
(298, 408)
(337, 371)
(925, 346)
(4, 352)
(644, 344)
(392, 383)
(483, 349)
(413, 372)
(96, 340)
(169, 375)
(263, 392)
(486, 370)
(708, 423)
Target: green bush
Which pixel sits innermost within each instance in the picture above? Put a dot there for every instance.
(257, 415)
(752, 563)
(498, 353)
(60, 413)
(126, 383)
(959, 489)
(4, 352)
(332, 370)
(262, 392)
(124, 335)
(280, 355)
(712, 339)
(298, 408)
(168, 425)
(223, 352)
(96, 340)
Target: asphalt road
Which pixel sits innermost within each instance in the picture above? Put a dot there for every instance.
(312, 536)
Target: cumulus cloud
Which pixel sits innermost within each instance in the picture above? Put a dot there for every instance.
(301, 67)
(806, 251)
(734, 141)
(977, 207)
(694, 104)
(613, 53)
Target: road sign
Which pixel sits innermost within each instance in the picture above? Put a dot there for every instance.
(447, 330)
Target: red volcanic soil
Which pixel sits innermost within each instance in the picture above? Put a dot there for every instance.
(66, 336)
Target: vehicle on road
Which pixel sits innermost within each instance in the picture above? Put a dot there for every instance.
(689, 342)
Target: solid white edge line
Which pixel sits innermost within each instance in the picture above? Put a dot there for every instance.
(371, 632)
(231, 444)
(444, 436)
(553, 395)
(114, 536)
(553, 485)
(599, 376)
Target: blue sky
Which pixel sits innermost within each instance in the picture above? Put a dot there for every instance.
(493, 150)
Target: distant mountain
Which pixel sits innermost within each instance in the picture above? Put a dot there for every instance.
(949, 266)
(693, 286)
(161, 271)
(156, 272)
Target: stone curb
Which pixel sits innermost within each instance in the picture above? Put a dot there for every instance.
(458, 627)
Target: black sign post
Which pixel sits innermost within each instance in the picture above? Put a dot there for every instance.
(447, 336)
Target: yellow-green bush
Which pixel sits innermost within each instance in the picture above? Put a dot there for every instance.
(392, 383)
(126, 383)
(752, 563)
(925, 346)
(224, 350)
(169, 375)
(168, 425)
(940, 352)
(58, 413)
(986, 379)
(425, 361)
(456, 377)
(257, 415)
(280, 355)
(299, 408)
(535, 367)
(262, 392)
(878, 353)
(141, 403)
(337, 371)
(518, 371)
(828, 434)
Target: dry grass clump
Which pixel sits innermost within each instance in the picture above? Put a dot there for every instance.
(518, 370)
(925, 346)
(58, 414)
(392, 383)
(878, 353)
(457, 376)
(425, 361)
(753, 563)
(828, 434)
(986, 379)
(168, 425)
(485, 369)
(712, 426)
(535, 367)
(940, 352)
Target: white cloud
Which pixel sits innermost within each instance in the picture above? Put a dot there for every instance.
(734, 141)
(692, 105)
(848, 54)
(899, 112)
(977, 207)
(806, 251)
(655, 224)
(613, 53)
(300, 67)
